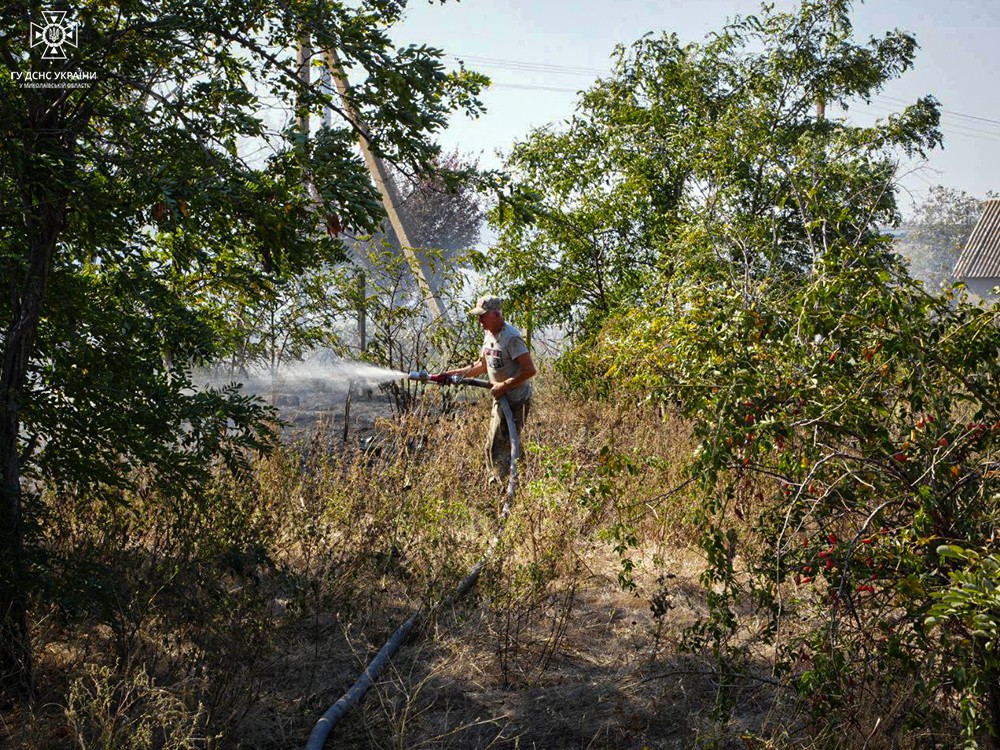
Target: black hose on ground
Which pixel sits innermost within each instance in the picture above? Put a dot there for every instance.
(326, 723)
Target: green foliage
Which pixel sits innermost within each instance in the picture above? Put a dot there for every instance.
(167, 222)
(155, 218)
(846, 421)
(852, 419)
(687, 139)
(861, 414)
(967, 613)
(105, 401)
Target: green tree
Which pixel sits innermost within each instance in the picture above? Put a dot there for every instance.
(593, 212)
(846, 419)
(846, 424)
(132, 208)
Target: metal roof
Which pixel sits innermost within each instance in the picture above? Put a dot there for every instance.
(981, 257)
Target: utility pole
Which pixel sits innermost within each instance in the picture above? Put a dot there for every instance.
(304, 58)
(380, 177)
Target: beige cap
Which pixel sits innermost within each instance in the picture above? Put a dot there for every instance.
(486, 304)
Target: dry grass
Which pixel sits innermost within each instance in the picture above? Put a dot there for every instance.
(551, 652)
(243, 613)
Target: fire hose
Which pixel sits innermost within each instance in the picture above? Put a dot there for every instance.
(326, 723)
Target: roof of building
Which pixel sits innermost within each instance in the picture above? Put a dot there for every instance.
(981, 257)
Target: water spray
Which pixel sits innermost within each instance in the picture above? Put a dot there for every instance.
(423, 376)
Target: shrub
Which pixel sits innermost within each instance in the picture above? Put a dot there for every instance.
(859, 415)
(109, 711)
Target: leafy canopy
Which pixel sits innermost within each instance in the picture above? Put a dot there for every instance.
(595, 211)
(716, 236)
(846, 420)
(141, 204)
(169, 191)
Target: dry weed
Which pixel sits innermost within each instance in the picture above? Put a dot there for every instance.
(262, 598)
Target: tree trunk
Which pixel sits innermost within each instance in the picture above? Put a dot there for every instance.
(993, 703)
(15, 648)
(44, 217)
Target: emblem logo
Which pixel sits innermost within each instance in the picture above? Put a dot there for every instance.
(55, 34)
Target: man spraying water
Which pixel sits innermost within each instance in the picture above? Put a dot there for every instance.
(505, 358)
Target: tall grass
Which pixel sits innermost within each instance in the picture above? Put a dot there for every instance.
(232, 615)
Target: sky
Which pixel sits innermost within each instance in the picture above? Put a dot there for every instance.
(539, 53)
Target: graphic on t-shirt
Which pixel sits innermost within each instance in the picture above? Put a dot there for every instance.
(494, 357)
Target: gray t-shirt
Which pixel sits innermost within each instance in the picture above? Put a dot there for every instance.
(500, 353)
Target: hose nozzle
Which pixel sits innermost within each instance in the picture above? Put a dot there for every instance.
(424, 377)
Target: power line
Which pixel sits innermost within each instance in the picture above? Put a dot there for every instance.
(887, 104)
(531, 87)
(541, 67)
(529, 66)
(949, 128)
(945, 111)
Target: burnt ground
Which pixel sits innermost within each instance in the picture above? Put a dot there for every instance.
(337, 410)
